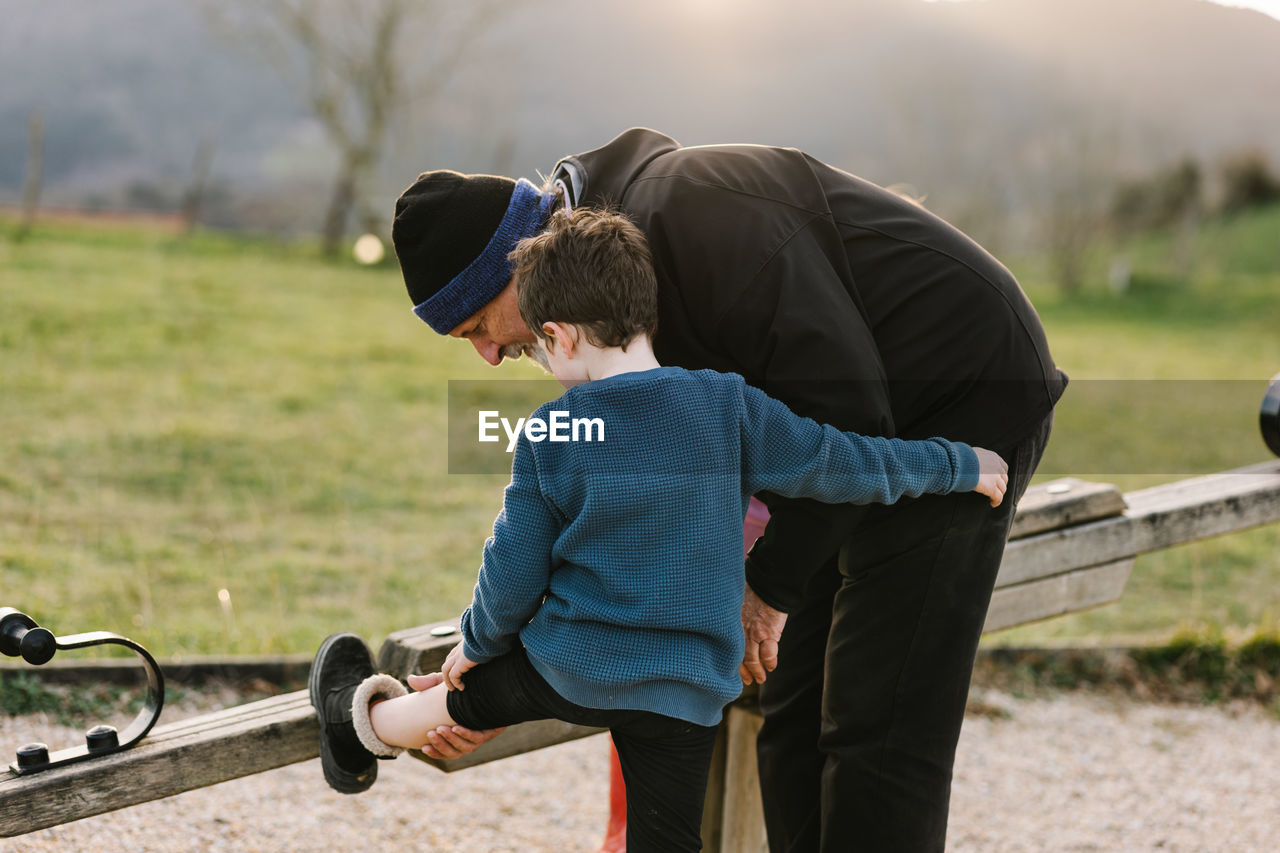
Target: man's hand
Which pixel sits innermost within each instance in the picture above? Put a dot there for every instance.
(455, 666)
(450, 741)
(994, 476)
(762, 627)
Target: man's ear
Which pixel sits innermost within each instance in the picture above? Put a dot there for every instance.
(565, 336)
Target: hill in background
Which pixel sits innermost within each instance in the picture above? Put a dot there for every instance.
(985, 108)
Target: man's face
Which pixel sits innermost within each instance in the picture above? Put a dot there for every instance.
(497, 331)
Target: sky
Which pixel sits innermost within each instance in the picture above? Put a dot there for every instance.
(1269, 7)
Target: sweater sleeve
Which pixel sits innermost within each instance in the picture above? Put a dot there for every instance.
(800, 458)
(516, 567)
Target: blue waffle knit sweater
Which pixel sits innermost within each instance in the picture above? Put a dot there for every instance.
(618, 562)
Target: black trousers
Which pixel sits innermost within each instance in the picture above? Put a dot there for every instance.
(665, 761)
(862, 715)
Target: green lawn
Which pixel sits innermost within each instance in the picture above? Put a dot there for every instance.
(224, 446)
(1167, 380)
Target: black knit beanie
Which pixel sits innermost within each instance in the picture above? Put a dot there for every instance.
(452, 233)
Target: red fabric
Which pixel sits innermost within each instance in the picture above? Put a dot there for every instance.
(615, 836)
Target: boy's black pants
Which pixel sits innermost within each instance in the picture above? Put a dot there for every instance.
(664, 760)
(862, 715)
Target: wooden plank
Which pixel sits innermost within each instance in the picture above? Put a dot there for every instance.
(1064, 502)
(1056, 595)
(713, 801)
(189, 754)
(742, 818)
(1159, 517)
(516, 740)
(414, 651)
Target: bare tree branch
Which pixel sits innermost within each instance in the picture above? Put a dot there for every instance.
(355, 65)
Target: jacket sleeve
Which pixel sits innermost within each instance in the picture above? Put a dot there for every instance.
(799, 458)
(516, 568)
(800, 332)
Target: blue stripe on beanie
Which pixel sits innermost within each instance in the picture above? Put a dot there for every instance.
(488, 274)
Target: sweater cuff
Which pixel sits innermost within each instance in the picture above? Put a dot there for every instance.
(469, 641)
(474, 656)
(967, 470)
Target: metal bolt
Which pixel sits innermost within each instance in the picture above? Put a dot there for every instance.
(33, 755)
(100, 738)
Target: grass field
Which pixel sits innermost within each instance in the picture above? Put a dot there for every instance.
(223, 446)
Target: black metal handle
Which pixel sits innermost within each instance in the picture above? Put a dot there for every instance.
(21, 636)
(1269, 417)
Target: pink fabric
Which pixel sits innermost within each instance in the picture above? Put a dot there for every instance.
(753, 526)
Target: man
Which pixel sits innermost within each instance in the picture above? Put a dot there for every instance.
(854, 307)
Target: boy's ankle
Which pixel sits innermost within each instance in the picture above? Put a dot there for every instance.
(376, 688)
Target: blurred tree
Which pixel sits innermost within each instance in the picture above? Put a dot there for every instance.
(1166, 198)
(1172, 198)
(35, 175)
(1071, 171)
(194, 195)
(150, 196)
(1247, 182)
(356, 66)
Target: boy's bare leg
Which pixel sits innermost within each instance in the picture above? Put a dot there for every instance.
(407, 721)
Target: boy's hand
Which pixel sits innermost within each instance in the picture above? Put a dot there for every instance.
(455, 666)
(994, 477)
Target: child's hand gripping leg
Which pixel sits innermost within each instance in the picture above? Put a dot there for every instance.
(455, 666)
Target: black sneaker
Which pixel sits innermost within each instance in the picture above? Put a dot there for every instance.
(341, 664)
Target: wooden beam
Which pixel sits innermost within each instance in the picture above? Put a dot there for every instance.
(1064, 502)
(713, 801)
(742, 816)
(192, 753)
(1053, 596)
(419, 649)
(1159, 517)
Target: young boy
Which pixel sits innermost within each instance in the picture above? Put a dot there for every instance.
(610, 592)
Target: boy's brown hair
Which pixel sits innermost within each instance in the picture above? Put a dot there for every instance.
(591, 268)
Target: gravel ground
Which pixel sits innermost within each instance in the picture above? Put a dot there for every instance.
(1069, 772)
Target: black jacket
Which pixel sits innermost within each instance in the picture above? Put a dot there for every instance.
(854, 306)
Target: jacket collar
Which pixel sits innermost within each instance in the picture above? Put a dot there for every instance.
(604, 174)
